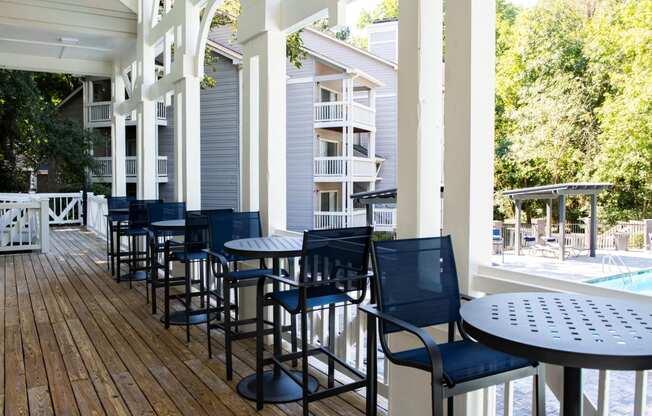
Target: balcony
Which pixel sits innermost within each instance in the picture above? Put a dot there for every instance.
(338, 169)
(384, 219)
(335, 114)
(104, 169)
(100, 114)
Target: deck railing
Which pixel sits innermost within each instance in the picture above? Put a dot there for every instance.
(339, 111)
(330, 166)
(23, 223)
(330, 112)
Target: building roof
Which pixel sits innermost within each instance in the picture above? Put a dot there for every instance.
(385, 196)
(554, 191)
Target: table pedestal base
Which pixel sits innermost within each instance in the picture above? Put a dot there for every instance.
(279, 389)
(573, 396)
(137, 276)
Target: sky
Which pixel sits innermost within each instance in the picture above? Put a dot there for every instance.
(356, 7)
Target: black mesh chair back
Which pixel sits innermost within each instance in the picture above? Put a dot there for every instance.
(166, 211)
(337, 254)
(196, 232)
(138, 212)
(118, 202)
(228, 225)
(416, 281)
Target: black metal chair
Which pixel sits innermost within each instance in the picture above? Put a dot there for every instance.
(224, 227)
(112, 218)
(415, 284)
(160, 212)
(191, 253)
(134, 230)
(333, 272)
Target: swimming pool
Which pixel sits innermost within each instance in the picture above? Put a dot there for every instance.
(637, 282)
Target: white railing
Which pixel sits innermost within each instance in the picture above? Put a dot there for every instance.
(97, 209)
(384, 219)
(102, 112)
(64, 208)
(364, 115)
(337, 219)
(329, 112)
(104, 168)
(24, 225)
(363, 167)
(330, 166)
(491, 280)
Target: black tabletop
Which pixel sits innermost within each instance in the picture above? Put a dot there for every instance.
(564, 329)
(169, 225)
(265, 247)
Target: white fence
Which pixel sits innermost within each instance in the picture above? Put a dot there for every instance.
(329, 112)
(384, 219)
(97, 209)
(23, 223)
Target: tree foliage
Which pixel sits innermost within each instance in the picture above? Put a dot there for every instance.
(574, 101)
(32, 133)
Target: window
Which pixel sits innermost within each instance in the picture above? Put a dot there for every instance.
(328, 149)
(328, 96)
(101, 91)
(328, 201)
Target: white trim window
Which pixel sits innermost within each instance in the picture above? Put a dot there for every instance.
(328, 148)
(328, 201)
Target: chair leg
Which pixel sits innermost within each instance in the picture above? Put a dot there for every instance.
(540, 387)
(293, 338)
(331, 345)
(304, 362)
(372, 369)
(202, 286)
(437, 397)
(154, 274)
(227, 328)
(188, 300)
(450, 404)
(166, 293)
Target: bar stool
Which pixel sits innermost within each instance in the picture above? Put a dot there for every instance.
(228, 277)
(134, 230)
(192, 255)
(165, 211)
(117, 210)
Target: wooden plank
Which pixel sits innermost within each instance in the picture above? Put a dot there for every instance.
(15, 385)
(340, 406)
(87, 400)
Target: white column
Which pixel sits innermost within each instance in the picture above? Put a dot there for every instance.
(118, 145)
(419, 118)
(469, 149)
(187, 135)
(146, 157)
(419, 167)
(263, 145)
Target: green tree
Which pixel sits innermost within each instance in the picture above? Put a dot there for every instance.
(32, 133)
(387, 9)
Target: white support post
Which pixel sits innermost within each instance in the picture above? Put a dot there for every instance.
(147, 179)
(420, 135)
(187, 136)
(44, 222)
(469, 143)
(118, 145)
(263, 147)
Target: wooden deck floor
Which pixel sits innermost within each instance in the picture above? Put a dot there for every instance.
(76, 342)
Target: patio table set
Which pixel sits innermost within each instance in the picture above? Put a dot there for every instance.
(401, 286)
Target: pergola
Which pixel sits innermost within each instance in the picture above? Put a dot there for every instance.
(126, 40)
(559, 192)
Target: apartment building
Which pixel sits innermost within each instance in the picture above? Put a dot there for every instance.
(341, 129)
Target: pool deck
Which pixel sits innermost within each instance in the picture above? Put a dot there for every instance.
(578, 268)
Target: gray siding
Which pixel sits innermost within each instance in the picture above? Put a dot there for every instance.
(220, 138)
(300, 142)
(386, 132)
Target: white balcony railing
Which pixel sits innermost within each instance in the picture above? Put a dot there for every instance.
(329, 112)
(102, 112)
(330, 166)
(384, 219)
(339, 111)
(363, 168)
(339, 219)
(104, 168)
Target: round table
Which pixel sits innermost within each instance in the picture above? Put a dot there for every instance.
(573, 331)
(278, 387)
(169, 225)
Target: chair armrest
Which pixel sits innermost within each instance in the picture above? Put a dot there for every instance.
(331, 281)
(285, 280)
(219, 257)
(422, 334)
(466, 297)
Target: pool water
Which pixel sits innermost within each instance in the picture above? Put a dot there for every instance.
(637, 282)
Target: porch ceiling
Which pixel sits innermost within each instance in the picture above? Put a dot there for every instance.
(81, 37)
